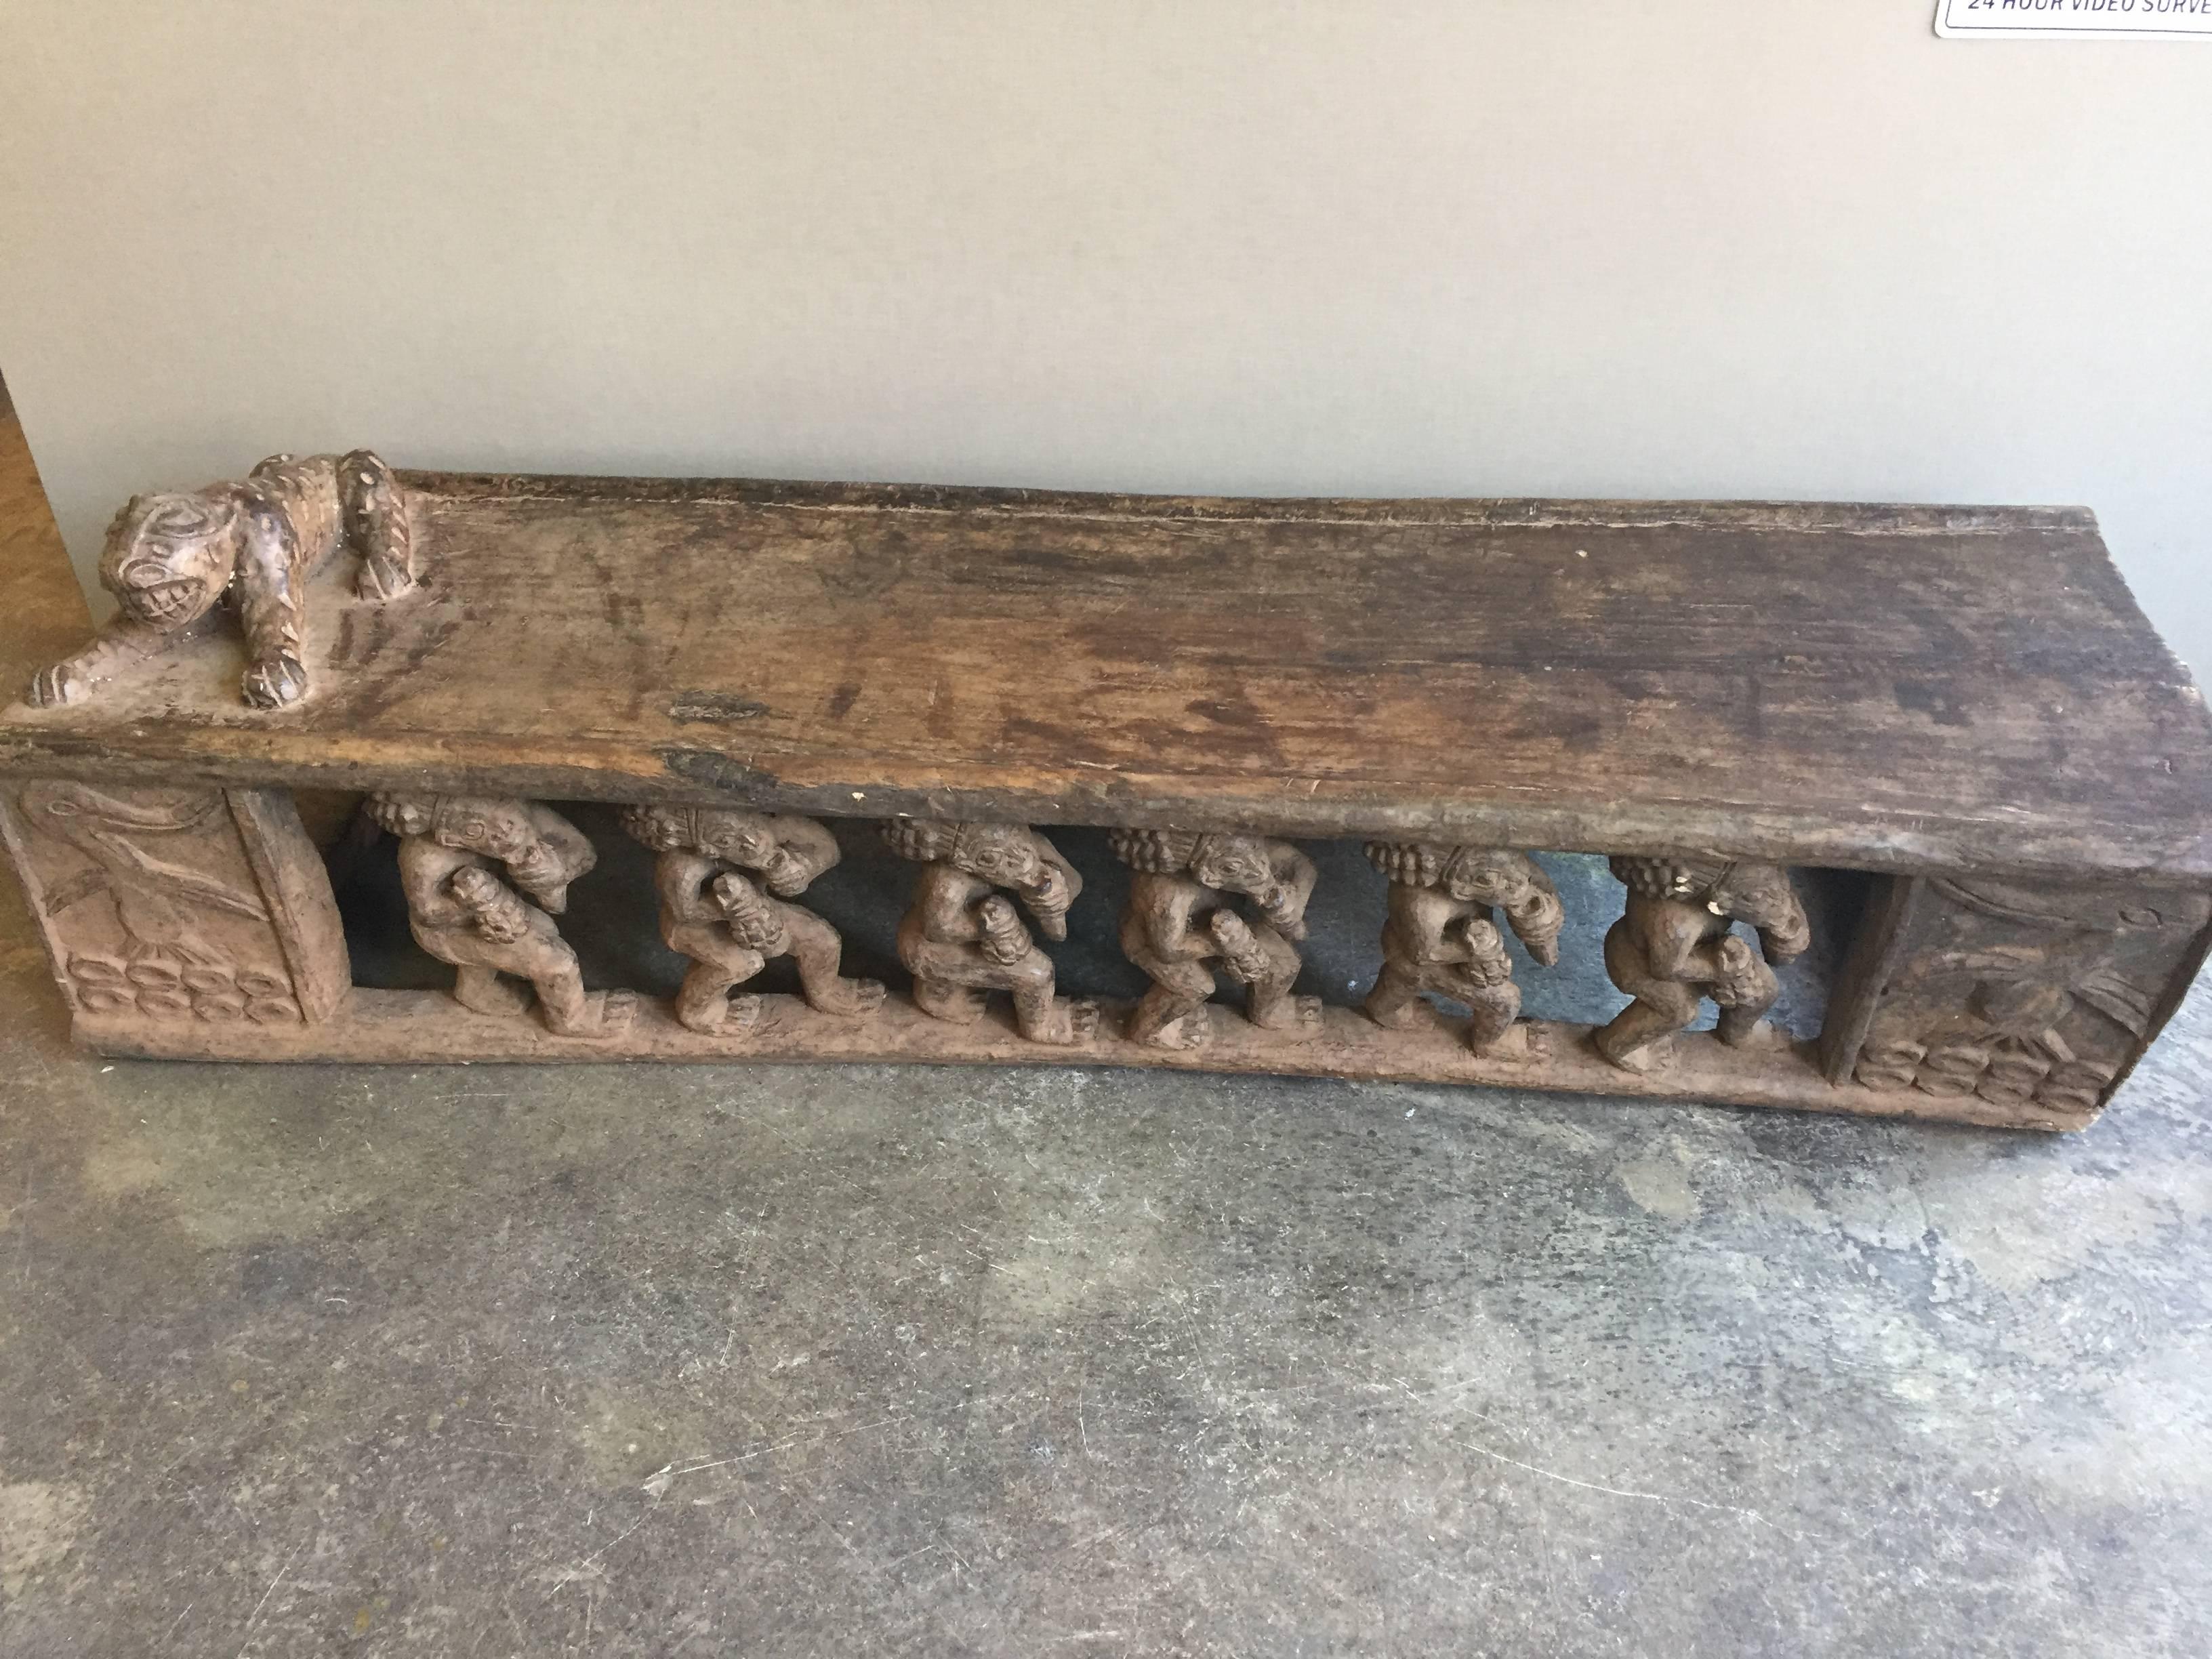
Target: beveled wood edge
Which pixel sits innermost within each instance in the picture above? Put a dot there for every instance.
(1850, 518)
(428, 1028)
(261, 754)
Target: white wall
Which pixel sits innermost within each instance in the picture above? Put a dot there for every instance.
(1619, 247)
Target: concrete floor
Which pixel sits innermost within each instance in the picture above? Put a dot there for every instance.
(771, 1361)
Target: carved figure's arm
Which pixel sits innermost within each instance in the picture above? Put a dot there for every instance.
(425, 870)
(124, 640)
(1050, 900)
(1422, 924)
(559, 855)
(755, 922)
(1163, 905)
(680, 879)
(948, 900)
(1005, 940)
(272, 599)
(1533, 910)
(804, 849)
(1242, 959)
(1769, 903)
(1674, 940)
(376, 526)
(492, 909)
(1483, 952)
(1295, 876)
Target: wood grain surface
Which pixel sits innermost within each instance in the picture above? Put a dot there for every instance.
(1875, 687)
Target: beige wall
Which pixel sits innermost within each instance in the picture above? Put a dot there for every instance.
(1627, 247)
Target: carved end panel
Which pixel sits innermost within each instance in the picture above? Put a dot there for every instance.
(2032, 996)
(178, 905)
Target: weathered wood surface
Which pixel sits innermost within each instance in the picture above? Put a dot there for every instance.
(427, 1027)
(1877, 686)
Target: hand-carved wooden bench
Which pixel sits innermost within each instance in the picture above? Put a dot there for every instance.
(1963, 704)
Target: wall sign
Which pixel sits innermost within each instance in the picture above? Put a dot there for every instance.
(2013, 20)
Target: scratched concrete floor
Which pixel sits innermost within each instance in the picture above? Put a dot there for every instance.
(801, 1361)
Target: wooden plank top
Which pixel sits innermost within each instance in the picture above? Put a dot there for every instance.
(1877, 687)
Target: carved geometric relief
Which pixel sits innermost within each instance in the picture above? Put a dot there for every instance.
(178, 905)
(2024, 994)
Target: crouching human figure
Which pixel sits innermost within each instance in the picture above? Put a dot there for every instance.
(724, 876)
(1196, 900)
(453, 850)
(1675, 945)
(962, 937)
(1441, 937)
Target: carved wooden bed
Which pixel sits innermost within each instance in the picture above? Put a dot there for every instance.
(1962, 702)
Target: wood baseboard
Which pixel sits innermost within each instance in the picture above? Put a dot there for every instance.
(428, 1027)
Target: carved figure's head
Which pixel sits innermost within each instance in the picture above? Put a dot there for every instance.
(493, 825)
(1004, 854)
(740, 837)
(1473, 875)
(1233, 864)
(169, 557)
(729, 833)
(1481, 875)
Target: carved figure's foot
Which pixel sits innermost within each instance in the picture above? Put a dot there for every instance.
(1648, 1059)
(274, 682)
(957, 1005)
(378, 582)
(1069, 1024)
(1520, 1045)
(51, 687)
(854, 998)
(1757, 1036)
(1393, 1019)
(491, 995)
(606, 1014)
(719, 1016)
(1189, 1032)
(1299, 1014)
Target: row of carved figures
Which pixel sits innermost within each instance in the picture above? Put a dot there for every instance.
(485, 877)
